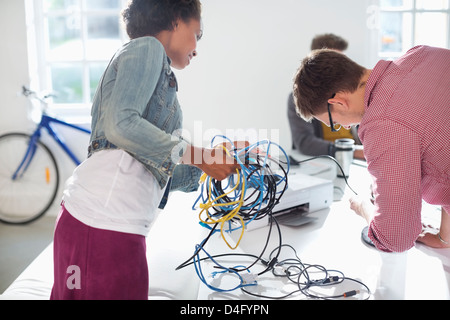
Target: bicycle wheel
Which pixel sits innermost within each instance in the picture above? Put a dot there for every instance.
(28, 196)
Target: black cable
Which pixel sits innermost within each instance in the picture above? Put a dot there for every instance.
(186, 263)
(301, 274)
(293, 268)
(270, 200)
(333, 159)
(257, 258)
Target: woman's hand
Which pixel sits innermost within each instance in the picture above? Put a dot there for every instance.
(217, 162)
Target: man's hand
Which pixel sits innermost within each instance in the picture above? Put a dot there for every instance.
(362, 207)
(430, 235)
(431, 239)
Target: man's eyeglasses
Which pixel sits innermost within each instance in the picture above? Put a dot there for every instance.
(334, 127)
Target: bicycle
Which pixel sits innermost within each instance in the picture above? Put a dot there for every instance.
(29, 174)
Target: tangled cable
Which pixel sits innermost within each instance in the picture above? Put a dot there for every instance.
(249, 195)
(232, 204)
(309, 277)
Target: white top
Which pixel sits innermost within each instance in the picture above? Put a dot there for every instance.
(113, 191)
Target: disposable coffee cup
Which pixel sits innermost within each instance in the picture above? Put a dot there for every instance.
(344, 155)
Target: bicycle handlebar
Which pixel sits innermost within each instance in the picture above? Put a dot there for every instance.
(32, 94)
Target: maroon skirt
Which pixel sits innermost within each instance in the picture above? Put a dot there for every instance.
(95, 264)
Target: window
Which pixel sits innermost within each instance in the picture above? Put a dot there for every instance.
(407, 23)
(74, 41)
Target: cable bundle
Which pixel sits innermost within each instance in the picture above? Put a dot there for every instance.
(232, 204)
(249, 195)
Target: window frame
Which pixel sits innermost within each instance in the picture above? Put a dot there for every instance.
(413, 11)
(41, 65)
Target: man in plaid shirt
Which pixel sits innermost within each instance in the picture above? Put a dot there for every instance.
(403, 110)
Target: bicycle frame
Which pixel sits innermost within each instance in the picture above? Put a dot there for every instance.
(46, 122)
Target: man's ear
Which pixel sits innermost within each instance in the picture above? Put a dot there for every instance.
(340, 100)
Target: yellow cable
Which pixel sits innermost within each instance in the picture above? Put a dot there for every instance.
(213, 203)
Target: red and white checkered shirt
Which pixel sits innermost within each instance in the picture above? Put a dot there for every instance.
(406, 136)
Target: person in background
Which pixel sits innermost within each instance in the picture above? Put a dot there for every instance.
(402, 108)
(314, 138)
(112, 198)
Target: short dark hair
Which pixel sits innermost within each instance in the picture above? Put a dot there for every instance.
(323, 73)
(150, 17)
(329, 41)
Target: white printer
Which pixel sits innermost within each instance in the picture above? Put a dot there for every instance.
(305, 194)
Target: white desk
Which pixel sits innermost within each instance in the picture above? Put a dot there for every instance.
(334, 241)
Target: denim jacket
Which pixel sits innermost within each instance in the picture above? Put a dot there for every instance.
(136, 109)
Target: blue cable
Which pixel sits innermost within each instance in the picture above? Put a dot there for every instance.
(254, 173)
(198, 270)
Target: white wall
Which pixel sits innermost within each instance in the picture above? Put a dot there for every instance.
(240, 79)
(248, 56)
(13, 64)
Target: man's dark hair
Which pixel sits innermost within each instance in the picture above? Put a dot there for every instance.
(329, 41)
(150, 17)
(322, 74)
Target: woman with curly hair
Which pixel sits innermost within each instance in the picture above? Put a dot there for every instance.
(135, 157)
